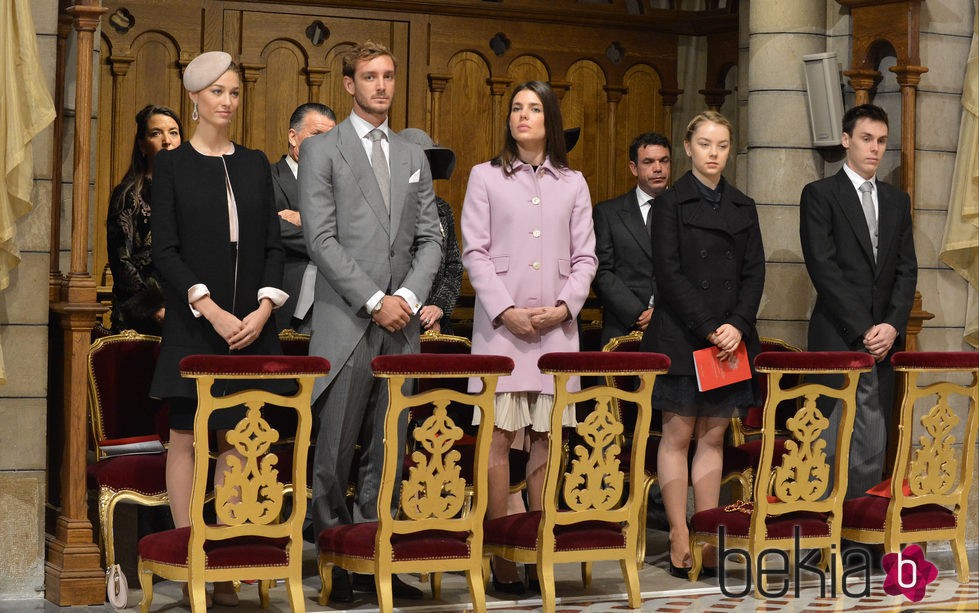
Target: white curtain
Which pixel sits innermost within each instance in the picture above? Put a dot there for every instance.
(960, 244)
(25, 110)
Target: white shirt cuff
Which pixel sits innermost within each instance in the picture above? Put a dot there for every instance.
(195, 293)
(277, 296)
(410, 298)
(372, 301)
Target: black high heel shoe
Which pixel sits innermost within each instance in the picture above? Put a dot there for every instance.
(515, 588)
(680, 572)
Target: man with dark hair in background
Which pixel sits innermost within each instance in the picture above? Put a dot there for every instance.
(624, 282)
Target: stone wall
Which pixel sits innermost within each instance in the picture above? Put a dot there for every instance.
(23, 337)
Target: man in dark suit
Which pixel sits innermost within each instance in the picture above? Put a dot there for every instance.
(299, 276)
(624, 281)
(858, 245)
(372, 229)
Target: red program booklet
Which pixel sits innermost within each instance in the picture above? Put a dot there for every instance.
(712, 373)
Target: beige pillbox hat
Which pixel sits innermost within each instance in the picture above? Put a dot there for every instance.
(205, 69)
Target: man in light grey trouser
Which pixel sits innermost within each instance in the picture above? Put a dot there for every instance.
(372, 229)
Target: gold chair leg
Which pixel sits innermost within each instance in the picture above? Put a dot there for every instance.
(198, 597)
(961, 560)
(477, 589)
(146, 585)
(297, 602)
(586, 575)
(326, 581)
(696, 557)
(263, 592)
(545, 572)
(631, 575)
(385, 595)
(436, 582)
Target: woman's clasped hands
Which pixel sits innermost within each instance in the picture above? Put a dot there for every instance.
(524, 322)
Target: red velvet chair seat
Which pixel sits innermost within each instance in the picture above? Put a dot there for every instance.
(170, 547)
(357, 540)
(737, 523)
(520, 530)
(747, 455)
(145, 474)
(868, 512)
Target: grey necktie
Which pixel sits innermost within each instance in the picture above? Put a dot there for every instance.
(380, 165)
(867, 201)
(649, 217)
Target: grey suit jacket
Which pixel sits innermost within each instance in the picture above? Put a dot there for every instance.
(286, 190)
(357, 247)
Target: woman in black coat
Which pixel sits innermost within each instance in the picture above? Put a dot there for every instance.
(216, 244)
(710, 272)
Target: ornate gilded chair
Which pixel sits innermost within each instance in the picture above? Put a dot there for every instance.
(251, 539)
(928, 494)
(740, 463)
(792, 498)
(123, 416)
(432, 533)
(591, 504)
(447, 344)
(736, 466)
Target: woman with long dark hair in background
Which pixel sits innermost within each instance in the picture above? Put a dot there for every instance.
(137, 299)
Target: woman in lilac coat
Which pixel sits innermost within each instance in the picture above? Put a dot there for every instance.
(530, 254)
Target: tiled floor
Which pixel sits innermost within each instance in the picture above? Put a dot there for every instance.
(661, 592)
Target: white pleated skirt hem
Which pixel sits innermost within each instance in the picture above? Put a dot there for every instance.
(517, 410)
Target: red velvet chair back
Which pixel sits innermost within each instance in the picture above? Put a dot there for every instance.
(120, 370)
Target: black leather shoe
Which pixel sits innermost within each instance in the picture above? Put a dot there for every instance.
(708, 571)
(400, 589)
(342, 592)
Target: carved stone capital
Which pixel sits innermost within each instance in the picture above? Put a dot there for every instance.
(120, 64)
(714, 97)
(560, 88)
(863, 79)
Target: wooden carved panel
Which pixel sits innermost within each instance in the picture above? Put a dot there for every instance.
(640, 110)
(586, 105)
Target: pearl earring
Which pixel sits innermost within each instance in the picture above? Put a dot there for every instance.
(195, 116)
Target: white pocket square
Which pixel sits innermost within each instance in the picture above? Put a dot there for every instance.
(415, 176)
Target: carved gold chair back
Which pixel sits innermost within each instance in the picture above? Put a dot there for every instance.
(800, 497)
(251, 539)
(591, 502)
(927, 497)
(434, 531)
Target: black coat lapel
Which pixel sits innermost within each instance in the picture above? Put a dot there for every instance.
(632, 220)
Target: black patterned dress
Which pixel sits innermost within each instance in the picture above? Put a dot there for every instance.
(136, 293)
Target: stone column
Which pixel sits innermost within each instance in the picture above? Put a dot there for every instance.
(781, 158)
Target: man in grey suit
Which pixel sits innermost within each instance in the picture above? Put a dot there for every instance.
(299, 274)
(624, 282)
(858, 244)
(372, 229)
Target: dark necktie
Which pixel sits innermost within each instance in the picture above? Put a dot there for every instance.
(380, 165)
(649, 217)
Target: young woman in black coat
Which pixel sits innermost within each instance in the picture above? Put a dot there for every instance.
(216, 244)
(710, 272)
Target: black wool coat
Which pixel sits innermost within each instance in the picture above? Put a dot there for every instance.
(191, 245)
(710, 270)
